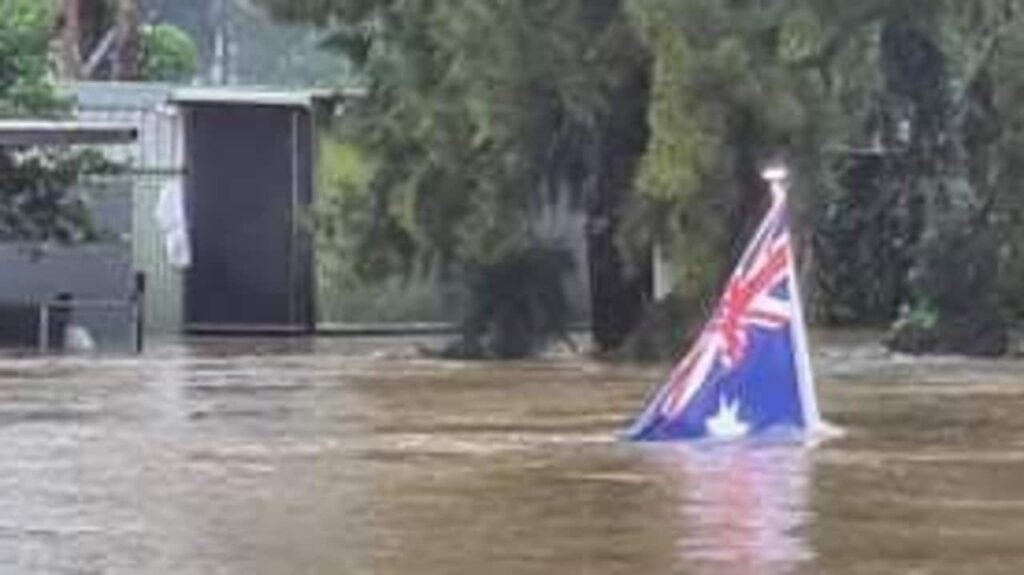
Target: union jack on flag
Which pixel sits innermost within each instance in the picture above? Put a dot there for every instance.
(748, 372)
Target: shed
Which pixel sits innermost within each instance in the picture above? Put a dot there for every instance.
(249, 186)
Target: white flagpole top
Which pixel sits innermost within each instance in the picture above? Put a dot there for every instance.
(776, 174)
(778, 177)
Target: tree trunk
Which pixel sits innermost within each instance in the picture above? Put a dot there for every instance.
(82, 25)
(69, 60)
(616, 300)
(127, 59)
(619, 295)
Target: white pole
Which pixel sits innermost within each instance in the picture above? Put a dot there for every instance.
(778, 178)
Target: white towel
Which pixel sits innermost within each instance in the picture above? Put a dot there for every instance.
(170, 218)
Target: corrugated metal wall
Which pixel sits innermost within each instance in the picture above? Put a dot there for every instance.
(156, 161)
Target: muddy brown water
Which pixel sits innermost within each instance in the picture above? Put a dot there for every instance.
(337, 457)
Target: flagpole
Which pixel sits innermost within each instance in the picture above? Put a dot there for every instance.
(778, 179)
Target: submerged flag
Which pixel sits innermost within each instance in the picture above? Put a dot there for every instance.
(748, 374)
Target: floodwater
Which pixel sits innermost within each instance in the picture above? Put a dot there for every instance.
(337, 457)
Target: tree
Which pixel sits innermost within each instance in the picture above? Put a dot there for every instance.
(128, 58)
(895, 116)
(942, 70)
(736, 86)
(25, 88)
(898, 97)
(99, 39)
(478, 116)
(238, 42)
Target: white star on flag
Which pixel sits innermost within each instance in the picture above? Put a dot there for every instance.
(726, 424)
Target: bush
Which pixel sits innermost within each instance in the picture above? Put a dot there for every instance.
(517, 305)
(168, 54)
(38, 203)
(25, 85)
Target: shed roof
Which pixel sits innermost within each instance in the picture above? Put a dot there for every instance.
(63, 133)
(260, 97)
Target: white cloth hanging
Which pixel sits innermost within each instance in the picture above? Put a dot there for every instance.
(172, 222)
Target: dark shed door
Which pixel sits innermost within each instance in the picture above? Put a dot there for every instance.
(249, 181)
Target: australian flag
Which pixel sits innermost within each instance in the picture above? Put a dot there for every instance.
(748, 373)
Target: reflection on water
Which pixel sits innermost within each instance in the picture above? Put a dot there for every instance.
(337, 457)
(741, 509)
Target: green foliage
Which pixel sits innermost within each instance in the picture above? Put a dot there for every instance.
(168, 54)
(355, 247)
(997, 133)
(862, 249)
(479, 115)
(356, 273)
(518, 305)
(37, 199)
(897, 114)
(731, 93)
(899, 118)
(1003, 170)
(25, 35)
(943, 77)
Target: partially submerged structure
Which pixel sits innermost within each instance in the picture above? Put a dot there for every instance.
(49, 292)
(242, 162)
(249, 189)
(155, 164)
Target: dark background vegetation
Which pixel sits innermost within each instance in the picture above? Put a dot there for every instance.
(651, 120)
